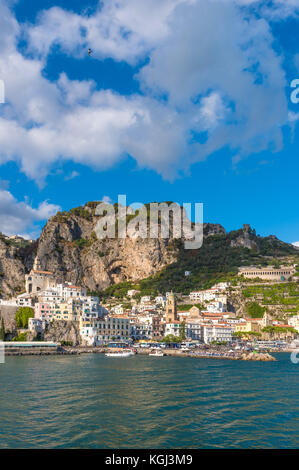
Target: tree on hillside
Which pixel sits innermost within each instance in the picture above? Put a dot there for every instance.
(2, 330)
(22, 316)
(171, 339)
(182, 331)
(255, 310)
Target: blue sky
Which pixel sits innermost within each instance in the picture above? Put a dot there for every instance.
(183, 100)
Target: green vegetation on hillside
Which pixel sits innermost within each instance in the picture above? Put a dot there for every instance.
(254, 310)
(279, 329)
(284, 294)
(22, 316)
(214, 262)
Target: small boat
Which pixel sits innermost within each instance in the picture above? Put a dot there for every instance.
(156, 353)
(123, 353)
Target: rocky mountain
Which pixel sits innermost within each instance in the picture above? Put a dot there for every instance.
(68, 246)
(12, 269)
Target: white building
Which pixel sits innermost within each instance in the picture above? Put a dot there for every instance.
(132, 292)
(24, 300)
(294, 322)
(203, 296)
(142, 327)
(117, 310)
(89, 331)
(36, 325)
(216, 306)
(217, 332)
(146, 306)
(194, 330)
(173, 328)
(160, 300)
(222, 285)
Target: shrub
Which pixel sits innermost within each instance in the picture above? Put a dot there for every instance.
(21, 337)
(255, 310)
(22, 316)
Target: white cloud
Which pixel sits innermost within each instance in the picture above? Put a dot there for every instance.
(18, 217)
(71, 176)
(295, 244)
(107, 199)
(121, 29)
(211, 69)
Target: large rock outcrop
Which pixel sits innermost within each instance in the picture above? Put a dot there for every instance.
(63, 331)
(12, 270)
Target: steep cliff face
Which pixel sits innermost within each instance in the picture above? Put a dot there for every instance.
(12, 270)
(69, 247)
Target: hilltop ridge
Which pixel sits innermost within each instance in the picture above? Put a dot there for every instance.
(69, 247)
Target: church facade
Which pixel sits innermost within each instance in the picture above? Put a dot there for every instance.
(38, 280)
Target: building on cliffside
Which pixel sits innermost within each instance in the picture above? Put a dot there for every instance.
(267, 273)
(38, 280)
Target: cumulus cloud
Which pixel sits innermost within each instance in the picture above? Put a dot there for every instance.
(16, 217)
(212, 79)
(121, 29)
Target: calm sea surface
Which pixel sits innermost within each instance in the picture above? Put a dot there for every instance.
(91, 401)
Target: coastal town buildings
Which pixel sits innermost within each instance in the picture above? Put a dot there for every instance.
(267, 273)
(151, 319)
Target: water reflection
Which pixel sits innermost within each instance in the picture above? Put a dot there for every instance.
(93, 401)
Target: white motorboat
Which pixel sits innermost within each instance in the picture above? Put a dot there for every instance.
(123, 353)
(156, 353)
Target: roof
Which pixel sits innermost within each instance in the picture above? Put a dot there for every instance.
(72, 287)
(41, 272)
(212, 314)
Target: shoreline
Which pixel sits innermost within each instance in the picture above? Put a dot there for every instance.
(74, 351)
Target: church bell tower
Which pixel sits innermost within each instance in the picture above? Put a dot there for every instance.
(171, 309)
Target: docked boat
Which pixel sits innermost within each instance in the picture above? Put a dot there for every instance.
(156, 353)
(123, 353)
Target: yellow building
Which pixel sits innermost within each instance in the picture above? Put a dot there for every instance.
(68, 311)
(248, 326)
